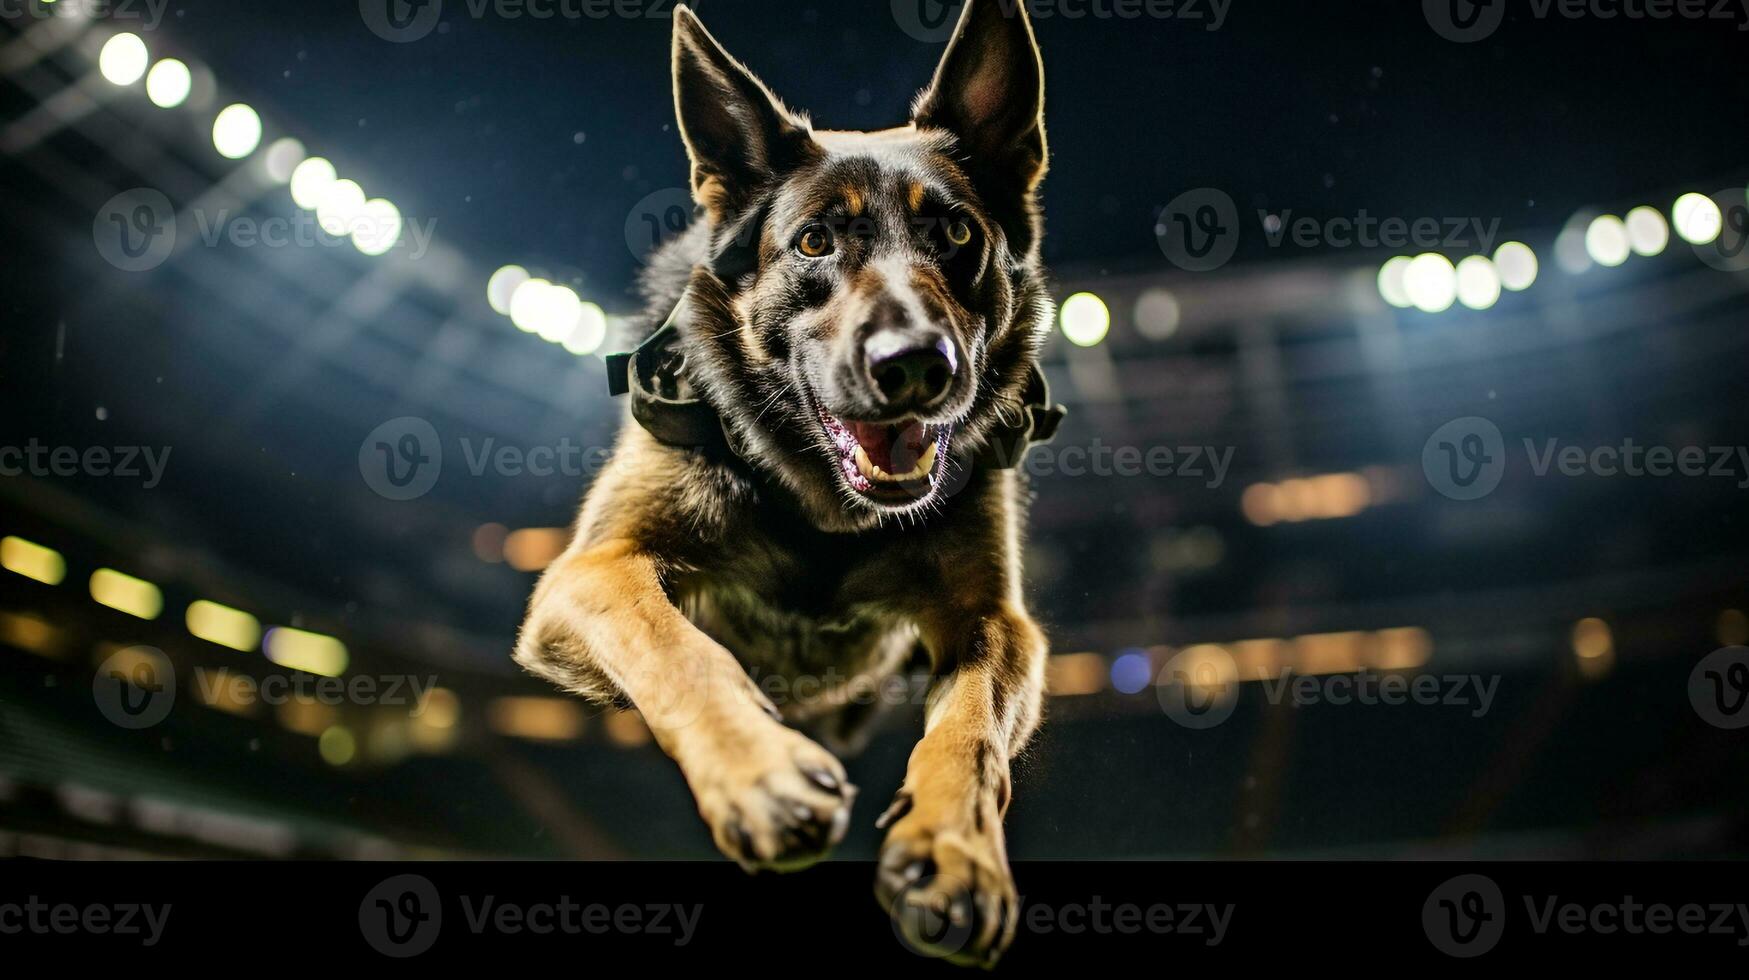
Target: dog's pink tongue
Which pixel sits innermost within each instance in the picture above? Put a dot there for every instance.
(889, 447)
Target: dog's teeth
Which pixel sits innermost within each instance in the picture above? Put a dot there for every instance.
(926, 462)
(866, 468)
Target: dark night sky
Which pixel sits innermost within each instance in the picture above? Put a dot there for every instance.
(1324, 108)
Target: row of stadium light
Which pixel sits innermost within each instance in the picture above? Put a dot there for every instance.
(1432, 284)
(341, 207)
(549, 310)
(213, 622)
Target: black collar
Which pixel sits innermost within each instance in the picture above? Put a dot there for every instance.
(669, 407)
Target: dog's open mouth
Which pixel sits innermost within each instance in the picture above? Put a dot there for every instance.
(898, 462)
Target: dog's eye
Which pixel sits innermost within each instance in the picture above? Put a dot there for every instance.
(959, 231)
(815, 241)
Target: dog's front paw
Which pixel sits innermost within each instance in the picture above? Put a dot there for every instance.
(948, 888)
(781, 806)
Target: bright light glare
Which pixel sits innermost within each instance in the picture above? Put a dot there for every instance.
(1606, 241)
(123, 59)
(562, 309)
(1392, 285)
(311, 653)
(168, 83)
(236, 131)
(310, 181)
(1085, 319)
(589, 332)
(223, 625)
(528, 304)
(1698, 219)
(503, 285)
(377, 227)
(1517, 266)
(1431, 283)
(339, 204)
(1478, 285)
(134, 596)
(1648, 232)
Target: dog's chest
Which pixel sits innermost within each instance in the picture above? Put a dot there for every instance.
(832, 642)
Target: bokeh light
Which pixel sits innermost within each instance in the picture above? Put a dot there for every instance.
(1085, 319)
(236, 131)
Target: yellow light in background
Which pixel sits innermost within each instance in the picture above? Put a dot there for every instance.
(1594, 647)
(1393, 282)
(440, 708)
(337, 745)
(626, 729)
(223, 625)
(32, 633)
(435, 724)
(310, 180)
(534, 548)
(224, 690)
(1072, 674)
(236, 131)
(134, 596)
(168, 83)
(1733, 628)
(32, 560)
(1698, 219)
(1330, 653)
(1085, 319)
(309, 652)
(1478, 285)
(1517, 266)
(1606, 241)
(1315, 498)
(1430, 282)
(1403, 648)
(503, 285)
(123, 59)
(307, 717)
(541, 719)
(1648, 232)
(1261, 504)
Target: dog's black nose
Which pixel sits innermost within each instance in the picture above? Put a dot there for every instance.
(911, 371)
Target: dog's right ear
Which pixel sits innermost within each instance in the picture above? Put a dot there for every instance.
(739, 136)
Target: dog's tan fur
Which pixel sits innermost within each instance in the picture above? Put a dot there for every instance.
(687, 571)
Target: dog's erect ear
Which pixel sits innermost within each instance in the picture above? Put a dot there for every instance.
(737, 133)
(989, 92)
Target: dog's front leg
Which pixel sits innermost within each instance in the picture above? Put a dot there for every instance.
(601, 625)
(944, 868)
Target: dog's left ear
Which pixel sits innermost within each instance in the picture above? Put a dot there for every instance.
(989, 92)
(739, 136)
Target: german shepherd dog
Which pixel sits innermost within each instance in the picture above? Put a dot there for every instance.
(862, 312)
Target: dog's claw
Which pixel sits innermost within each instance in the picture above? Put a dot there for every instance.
(824, 780)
